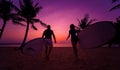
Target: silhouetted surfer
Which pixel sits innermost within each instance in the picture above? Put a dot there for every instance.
(74, 39)
(47, 35)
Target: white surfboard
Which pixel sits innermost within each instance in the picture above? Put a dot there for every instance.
(97, 34)
(34, 46)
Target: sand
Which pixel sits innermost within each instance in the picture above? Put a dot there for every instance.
(61, 59)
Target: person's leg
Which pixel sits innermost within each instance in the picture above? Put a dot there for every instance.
(50, 47)
(46, 48)
(46, 51)
(74, 45)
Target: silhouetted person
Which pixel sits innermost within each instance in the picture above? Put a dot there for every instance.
(47, 35)
(74, 39)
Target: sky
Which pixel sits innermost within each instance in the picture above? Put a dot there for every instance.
(60, 14)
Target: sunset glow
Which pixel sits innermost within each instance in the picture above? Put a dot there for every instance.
(60, 14)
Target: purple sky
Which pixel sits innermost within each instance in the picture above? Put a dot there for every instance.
(60, 14)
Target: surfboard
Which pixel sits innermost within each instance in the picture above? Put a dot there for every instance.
(34, 46)
(97, 34)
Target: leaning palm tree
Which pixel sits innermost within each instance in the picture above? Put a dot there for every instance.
(27, 13)
(6, 7)
(116, 6)
(85, 21)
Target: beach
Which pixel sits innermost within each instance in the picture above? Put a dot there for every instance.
(61, 58)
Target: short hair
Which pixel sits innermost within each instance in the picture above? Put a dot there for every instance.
(48, 26)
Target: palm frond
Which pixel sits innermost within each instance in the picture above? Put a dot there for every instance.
(17, 23)
(85, 19)
(19, 19)
(31, 22)
(6, 9)
(36, 5)
(14, 7)
(16, 17)
(33, 27)
(91, 21)
(21, 4)
(83, 23)
(115, 7)
(43, 24)
(37, 8)
(35, 20)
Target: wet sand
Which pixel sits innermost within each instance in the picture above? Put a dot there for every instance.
(61, 59)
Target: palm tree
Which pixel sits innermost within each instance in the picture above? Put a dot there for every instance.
(85, 21)
(27, 13)
(6, 7)
(116, 6)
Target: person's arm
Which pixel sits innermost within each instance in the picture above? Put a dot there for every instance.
(54, 37)
(78, 31)
(43, 34)
(68, 36)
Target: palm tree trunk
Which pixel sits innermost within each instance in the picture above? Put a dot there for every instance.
(3, 27)
(25, 37)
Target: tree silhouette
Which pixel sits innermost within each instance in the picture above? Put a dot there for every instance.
(27, 13)
(6, 7)
(116, 6)
(86, 21)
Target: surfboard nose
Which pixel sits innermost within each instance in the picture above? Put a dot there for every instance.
(34, 47)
